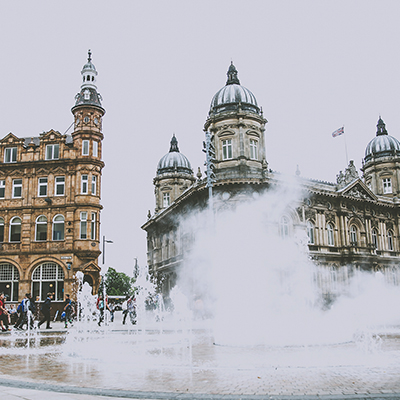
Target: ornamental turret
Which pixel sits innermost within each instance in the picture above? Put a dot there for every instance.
(237, 125)
(88, 111)
(381, 164)
(174, 176)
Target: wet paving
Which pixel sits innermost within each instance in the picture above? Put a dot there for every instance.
(124, 358)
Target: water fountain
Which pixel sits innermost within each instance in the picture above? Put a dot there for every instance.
(268, 323)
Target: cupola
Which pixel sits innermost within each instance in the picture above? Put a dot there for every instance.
(88, 94)
(233, 96)
(382, 145)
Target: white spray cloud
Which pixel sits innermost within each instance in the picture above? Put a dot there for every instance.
(260, 288)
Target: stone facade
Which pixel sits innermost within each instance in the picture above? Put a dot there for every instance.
(50, 189)
(352, 224)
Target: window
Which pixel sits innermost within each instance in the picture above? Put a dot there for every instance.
(253, 149)
(41, 228)
(15, 229)
(42, 191)
(331, 239)
(1, 230)
(10, 155)
(390, 240)
(52, 151)
(387, 185)
(353, 235)
(166, 199)
(95, 149)
(48, 278)
(227, 149)
(85, 147)
(84, 184)
(58, 227)
(284, 227)
(93, 227)
(2, 188)
(60, 185)
(374, 235)
(17, 188)
(310, 232)
(94, 184)
(9, 281)
(83, 234)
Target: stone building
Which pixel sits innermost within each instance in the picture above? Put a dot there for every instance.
(352, 224)
(50, 188)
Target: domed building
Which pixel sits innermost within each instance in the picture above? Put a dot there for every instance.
(351, 224)
(237, 127)
(174, 176)
(381, 163)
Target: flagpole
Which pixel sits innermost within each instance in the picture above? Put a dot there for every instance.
(345, 147)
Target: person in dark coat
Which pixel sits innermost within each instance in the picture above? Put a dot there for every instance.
(46, 311)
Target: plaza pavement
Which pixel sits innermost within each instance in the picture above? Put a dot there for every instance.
(352, 382)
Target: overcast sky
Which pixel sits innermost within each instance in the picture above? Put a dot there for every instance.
(312, 65)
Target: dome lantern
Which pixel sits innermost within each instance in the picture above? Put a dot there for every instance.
(88, 95)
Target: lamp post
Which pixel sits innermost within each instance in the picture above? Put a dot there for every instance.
(103, 273)
(104, 248)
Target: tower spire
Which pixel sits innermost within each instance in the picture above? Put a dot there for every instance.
(89, 56)
(174, 144)
(232, 75)
(381, 128)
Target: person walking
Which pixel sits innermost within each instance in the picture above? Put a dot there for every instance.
(46, 307)
(124, 310)
(67, 310)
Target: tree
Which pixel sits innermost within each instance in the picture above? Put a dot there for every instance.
(117, 283)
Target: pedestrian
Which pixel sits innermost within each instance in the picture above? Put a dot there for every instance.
(124, 310)
(46, 307)
(3, 314)
(101, 306)
(67, 310)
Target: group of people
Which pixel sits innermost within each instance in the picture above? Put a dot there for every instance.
(26, 311)
(128, 308)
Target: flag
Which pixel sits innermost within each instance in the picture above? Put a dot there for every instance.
(338, 132)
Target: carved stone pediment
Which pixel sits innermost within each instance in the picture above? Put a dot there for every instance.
(51, 135)
(357, 190)
(59, 170)
(91, 267)
(11, 139)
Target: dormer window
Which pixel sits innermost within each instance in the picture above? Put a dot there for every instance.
(86, 93)
(52, 151)
(10, 155)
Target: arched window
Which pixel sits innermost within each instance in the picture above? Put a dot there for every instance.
(353, 235)
(284, 227)
(331, 238)
(374, 236)
(390, 240)
(48, 278)
(310, 232)
(41, 228)
(9, 281)
(15, 229)
(1, 230)
(58, 227)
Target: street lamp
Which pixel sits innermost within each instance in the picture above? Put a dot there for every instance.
(104, 248)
